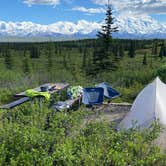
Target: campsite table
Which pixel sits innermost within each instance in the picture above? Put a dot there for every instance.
(23, 98)
(57, 87)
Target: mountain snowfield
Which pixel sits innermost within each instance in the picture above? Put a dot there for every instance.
(140, 26)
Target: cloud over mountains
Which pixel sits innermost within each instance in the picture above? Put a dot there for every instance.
(32, 29)
(128, 25)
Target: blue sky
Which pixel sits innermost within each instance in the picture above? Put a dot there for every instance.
(160, 17)
(16, 10)
(50, 11)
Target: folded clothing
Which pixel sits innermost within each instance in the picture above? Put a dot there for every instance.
(74, 92)
(32, 93)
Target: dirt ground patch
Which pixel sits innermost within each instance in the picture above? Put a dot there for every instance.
(110, 113)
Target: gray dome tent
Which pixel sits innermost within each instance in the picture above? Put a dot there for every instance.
(109, 92)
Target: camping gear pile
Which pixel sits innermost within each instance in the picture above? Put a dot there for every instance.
(74, 93)
(90, 96)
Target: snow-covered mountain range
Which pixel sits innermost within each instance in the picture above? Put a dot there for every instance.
(140, 26)
(129, 27)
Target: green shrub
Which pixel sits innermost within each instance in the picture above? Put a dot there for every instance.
(161, 72)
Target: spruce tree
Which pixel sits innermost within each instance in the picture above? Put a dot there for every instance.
(121, 50)
(103, 57)
(155, 48)
(8, 59)
(84, 58)
(50, 53)
(27, 68)
(131, 52)
(107, 29)
(145, 59)
(162, 52)
(34, 52)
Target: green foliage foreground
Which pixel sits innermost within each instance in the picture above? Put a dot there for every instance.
(31, 135)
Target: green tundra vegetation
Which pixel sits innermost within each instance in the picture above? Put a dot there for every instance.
(26, 65)
(33, 135)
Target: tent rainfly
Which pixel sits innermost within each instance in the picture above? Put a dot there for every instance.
(149, 105)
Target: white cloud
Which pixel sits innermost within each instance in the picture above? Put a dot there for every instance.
(127, 24)
(89, 10)
(139, 24)
(41, 2)
(61, 27)
(136, 6)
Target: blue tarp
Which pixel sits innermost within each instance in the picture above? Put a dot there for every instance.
(93, 96)
(109, 92)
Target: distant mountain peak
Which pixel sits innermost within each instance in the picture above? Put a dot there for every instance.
(141, 26)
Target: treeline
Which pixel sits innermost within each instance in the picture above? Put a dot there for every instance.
(81, 44)
(86, 47)
(81, 57)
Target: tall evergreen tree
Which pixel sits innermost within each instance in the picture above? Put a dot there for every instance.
(27, 68)
(162, 52)
(155, 48)
(115, 50)
(50, 53)
(144, 62)
(65, 58)
(84, 58)
(107, 29)
(8, 59)
(34, 52)
(131, 52)
(121, 50)
(103, 57)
